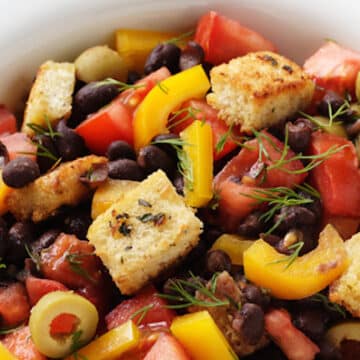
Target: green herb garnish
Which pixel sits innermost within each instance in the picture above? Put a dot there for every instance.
(2, 265)
(289, 260)
(142, 312)
(34, 256)
(229, 135)
(188, 112)
(76, 344)
(180, 39)
(47, 131)
(76, 263)
(10, 330)
(121, 86)
(162, 87)
(328, 304)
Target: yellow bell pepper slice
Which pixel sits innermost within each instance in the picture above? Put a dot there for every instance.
(234, 246)
(305, 276)
(5, 353)
(197, 163)
(111, 345)
(201, 337)
(152, 114)
(135, 45)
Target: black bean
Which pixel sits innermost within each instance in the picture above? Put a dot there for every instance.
(45, 240)
(94, 96)
(152, 158)
(20, 235)
(207, 68)
(120, 150)
(45, 143)
(255, 295)
(133, 77)
(178, 182)
(125, 169)
(211, 233)
(21, 171)
(252, 225)
(4, 155)
(217, 261)
(169, 149)
(271, 239)
(77, 223)
(3, 238)
(192, 55)
(312, 322)
(331, 99)
(250, 323)
(353, 129)
(69, 144)
(299, 135)
(164, 54)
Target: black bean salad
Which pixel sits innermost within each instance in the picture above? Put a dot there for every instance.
(183, 196)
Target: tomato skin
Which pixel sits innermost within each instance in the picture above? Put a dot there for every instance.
(36, 288)
(338, 177)
(17, 144)
(204, 112)
(114, 122)
(165, 348)
(157, 313)
(14, 305)
(21, 345)
(56, 266)
(7, 121)
(224, 39)
(234, 205)
(346, 226)
(334, 67)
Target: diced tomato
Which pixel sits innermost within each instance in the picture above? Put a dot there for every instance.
(71, 262)
(7, 121)
(223, 39)
(204, 112)
(294, 344)
(165, 348)
(63, 324)
(36, 288)
(338, 177)
(14, 305)
(114, 122)
(152, 309)
(334, 67)
(18, 144)
(232, 188)
(20, 344)
(346, 226)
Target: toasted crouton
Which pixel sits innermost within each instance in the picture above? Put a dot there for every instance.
(144, 233)
(346, 290)
(50, 97)
(259, 90)
(62, 186)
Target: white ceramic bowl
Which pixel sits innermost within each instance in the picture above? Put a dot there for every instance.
(34, 31)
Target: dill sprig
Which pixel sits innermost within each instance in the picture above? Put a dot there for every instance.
(184, 298)
(142, 312)
(2, 265)
(184, 165)
(342, 110)
(40, 130)
(10, 330)
(181, 38)
(121, 86)
(75, 261)
(328, 304)
(34, 256)
(289, 259)
(229, 135)
(162, 87)
(189, 112)
(76, 344)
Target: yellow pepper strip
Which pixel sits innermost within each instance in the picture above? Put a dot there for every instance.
(234, 246)
(201, 337)
(305, 276)
(135, 45)
(152, 114)
(5, 353)
(111, 345)
(4, 192)
(197, 163)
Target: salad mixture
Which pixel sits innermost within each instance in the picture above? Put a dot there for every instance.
(188, 196)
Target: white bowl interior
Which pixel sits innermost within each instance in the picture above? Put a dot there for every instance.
(32, 32)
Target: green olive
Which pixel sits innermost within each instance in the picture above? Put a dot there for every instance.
(349, 330)
(48, 308)
(335, 128)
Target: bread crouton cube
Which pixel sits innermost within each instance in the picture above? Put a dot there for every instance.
(62, 186)
(50, 97)
(346, 290)
(149, 229)
(259, 90)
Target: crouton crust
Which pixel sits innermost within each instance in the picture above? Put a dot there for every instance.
(62, 186)
(144, 233)
(259, 90)
(50, 97)
(346, 291)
